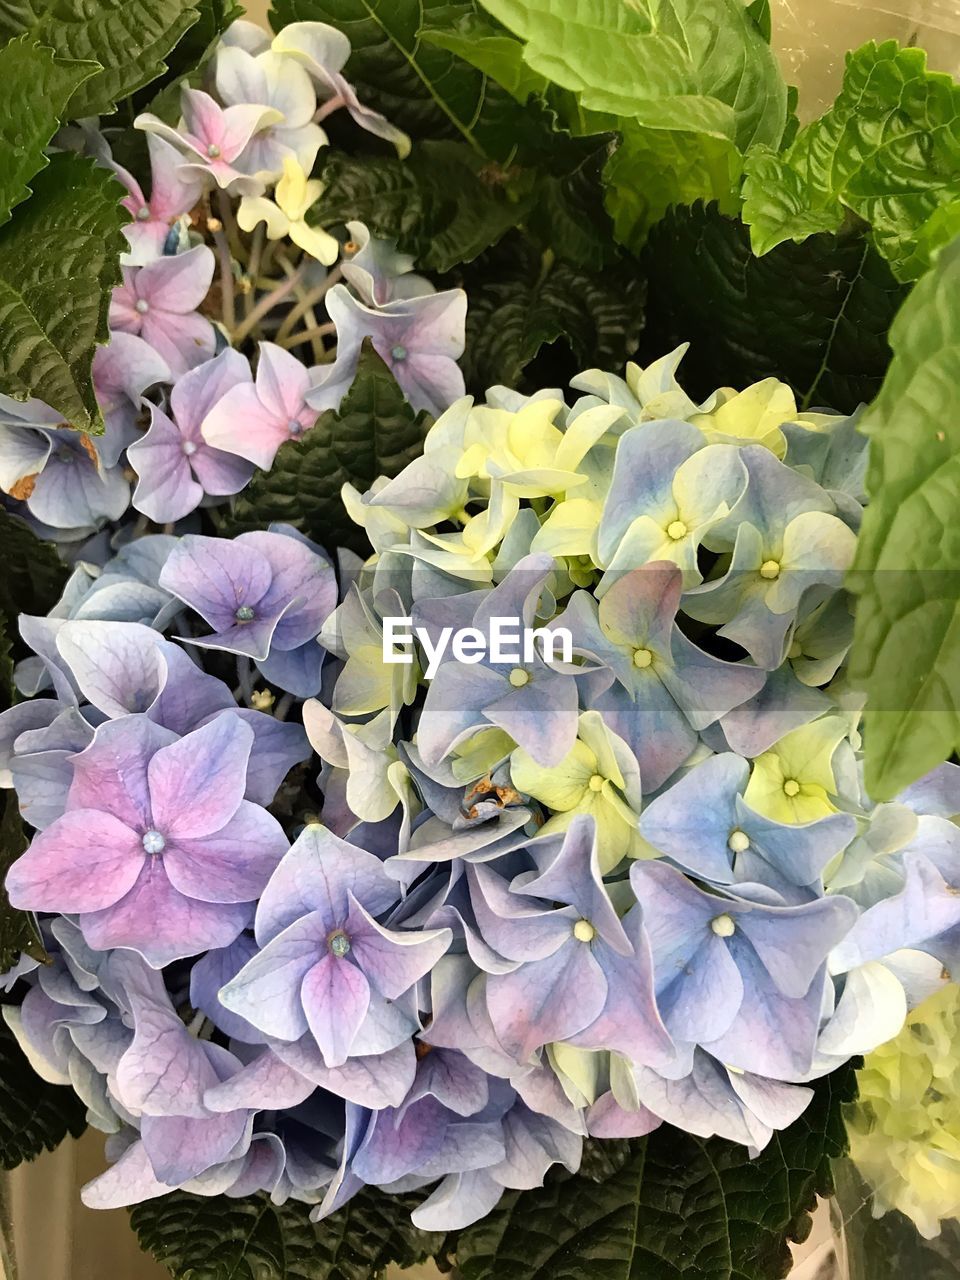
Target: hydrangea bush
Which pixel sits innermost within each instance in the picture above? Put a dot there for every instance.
(298, 907)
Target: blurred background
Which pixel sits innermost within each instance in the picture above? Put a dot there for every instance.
(54, 1236)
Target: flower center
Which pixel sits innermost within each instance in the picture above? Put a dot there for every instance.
(339, 944)
(398, 352)
(213, 151)
(739, 841)
(596, 782)
(676, 530)
(791, 787)
(189, 448)
(518, 677)
(142, 306)
(153, 842)
(770, 569)
(723, 926)
(244, 613)
(295, 426)
(642, 658)
(143, 213)
(584, 931)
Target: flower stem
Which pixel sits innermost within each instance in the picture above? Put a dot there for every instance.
(306, 335)
(245, 678)
(266, 305)
(253, 267)
(226, 279)
(308, 302)
(328, 108)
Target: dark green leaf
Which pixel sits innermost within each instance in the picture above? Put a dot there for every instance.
(6, 664)
(35, 88)
(815, 315)
(428, 91)
(374, 433)
(679, 1208)
(906, 650)
(33, 574)
(888, 149)
(31, 582)
(58, 262)
(444, 204)
(253, 1239)
(34, 1115)
(522, 302)
(128, 38)
(18, 931)
(567, 212)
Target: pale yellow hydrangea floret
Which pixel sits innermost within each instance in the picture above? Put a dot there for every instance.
(754, 415)
(286, 213)
(905, 1129)
(794, 780)
(595, 778)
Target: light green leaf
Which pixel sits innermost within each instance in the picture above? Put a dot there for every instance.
(128, 38)
(491, 50)
(888, 151)
(697, 65)
(654, 169)
(35, 88)
(59, 259)
(906, 652)
(690, 84)
(375, 432)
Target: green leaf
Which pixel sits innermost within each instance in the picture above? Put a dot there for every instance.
(491, 50)
(128, 38)
(32, 579)
(906, 650)
(888, 151)
(679, 1208)
(216, 1238)
(695, 65)
(654, 169)
(374, 433)
(567, 212)
(33, 574)
(6, 664)
(426, 90)
(18, 930)
(443, 204)
(522, 302)
(35, 88)
(690, 84)
(815, 315)
(34, 1115)
(59, 259)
